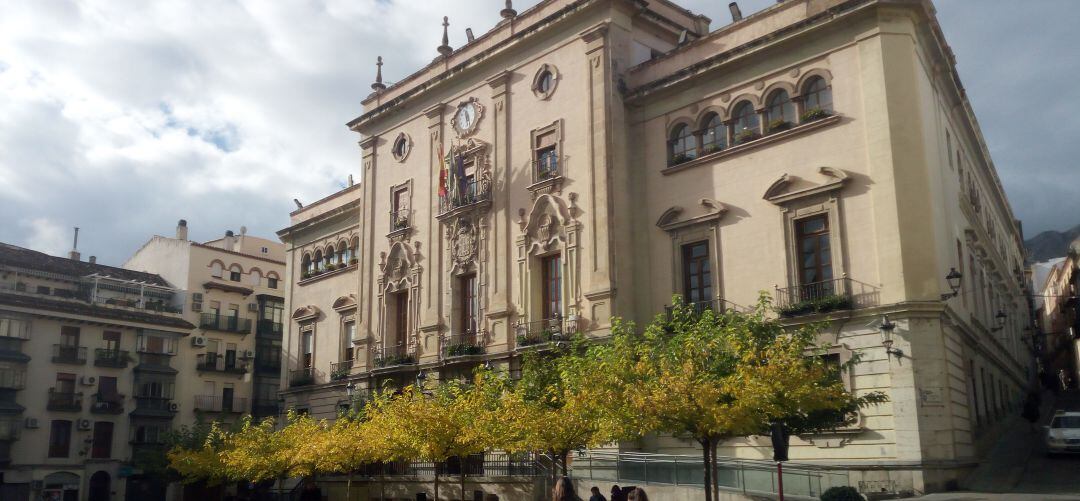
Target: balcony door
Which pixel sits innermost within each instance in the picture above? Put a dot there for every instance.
(815, 257)
(697, 273)
(227, 397)
(107, 390)
(551, 286)
(401, 319)
(469, 304)
(102, 440)
(69, 342)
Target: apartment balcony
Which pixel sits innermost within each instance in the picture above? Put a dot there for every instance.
(814, 298)
(217, 403)
(541, 332)
(107, 404)
(224, 323)
(153, 405)
(269, 327)
(399, 221)
(64, 401)
(301, 377)
(469, 196)
(12, 379)
(104, 357)
(9, 429)
(341, 370)
(64, 354)
(390, 356)
(466, 344)
(718, 306)
(213, 362)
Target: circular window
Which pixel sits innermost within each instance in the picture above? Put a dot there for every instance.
(545, 80)
(401, 146)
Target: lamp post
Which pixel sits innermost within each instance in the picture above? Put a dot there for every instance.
(954, 278)
(887, 327)
(1000, 319)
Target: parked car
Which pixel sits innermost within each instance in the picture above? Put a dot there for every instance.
(1063, 434)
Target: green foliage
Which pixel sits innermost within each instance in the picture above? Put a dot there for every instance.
(819, 305)
(814, 114)
(463, 349)
(680, 158)
(841, 493)
(779, 125)
(747, 135)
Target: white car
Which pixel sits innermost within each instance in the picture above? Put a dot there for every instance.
(1063, 434)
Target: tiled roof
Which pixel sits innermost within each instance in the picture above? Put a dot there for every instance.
(25, 258)
(91, 310)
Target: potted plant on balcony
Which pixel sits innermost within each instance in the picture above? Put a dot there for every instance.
(711, 148)
(305, 275)
(813, 114)
(779, 125)
(339, 374)
(331, 267)
(401, 223)
(679, 158)
(747, 135)
(353, 261)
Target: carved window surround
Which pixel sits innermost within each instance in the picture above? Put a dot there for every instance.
(806, 202)
(550, 226)
(479, 200)
(683, 231)
(553, 183)
(328, 274)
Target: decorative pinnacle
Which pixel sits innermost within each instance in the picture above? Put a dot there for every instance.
(378, 85)
(445, 49)
(509, 11)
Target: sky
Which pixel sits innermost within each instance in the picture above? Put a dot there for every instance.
(122, 117)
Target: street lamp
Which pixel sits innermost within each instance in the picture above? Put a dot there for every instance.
(887, 327)
(1000, 318)
(349, 389)
(420, 378)
(954, 278)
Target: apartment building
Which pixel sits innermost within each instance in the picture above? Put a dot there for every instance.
(588, 159)
(87, 373)
(1058, 319)
(235, 300)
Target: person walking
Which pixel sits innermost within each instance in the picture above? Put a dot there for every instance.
(596, 496)
(638, 494)
(564, 490)
(617, 493)
(1031, 411)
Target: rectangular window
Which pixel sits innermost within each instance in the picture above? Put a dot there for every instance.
(401, 318)
(42, 289)
(107, 389)
(103, 437)
(349, 336)
(815, 258)
(306, 349)
(234, 276)
(65, 383)
(551, 286)
(399, 212)
(974, 394)
(469, 304)
(697, 275)
(271, 282)
(230, 356)
(546, 155)
(111, 340)
(69, 336)
(60, 439)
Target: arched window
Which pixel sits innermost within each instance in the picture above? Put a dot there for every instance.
(745, 123)
(713, 134)
(342, 254)
(331, 256)
(306, 265)
(682, 146)
(817, 95)
(255, 277)
(354, 249)
(216, 269)
(320, 265)
(779, 111)
(235, 273)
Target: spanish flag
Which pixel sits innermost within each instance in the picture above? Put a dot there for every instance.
(442, 172)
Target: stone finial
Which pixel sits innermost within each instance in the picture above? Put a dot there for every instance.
(445, 49)
(469, 35)
(509, 11)
(378, 86)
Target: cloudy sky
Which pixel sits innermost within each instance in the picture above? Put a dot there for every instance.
(121, 117)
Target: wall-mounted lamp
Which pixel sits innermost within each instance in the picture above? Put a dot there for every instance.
(1000, 318)
(420, 378)
(887, 327)
(350, 389)
(954, 278)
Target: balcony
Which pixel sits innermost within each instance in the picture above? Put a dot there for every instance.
(9, 429)
(391, 356)
(301, 377)
(104, 357)
(270, 327)
(718, 306)
(217, 403)
(64, 401)
(107, 404)
(224, 323)
(213, 362)
(399, 221)
(814, 298)
(156, 404)
(65, 354)
(12, 379)
(466, 344)
(472, 194)
(341, 370)
(540, 332)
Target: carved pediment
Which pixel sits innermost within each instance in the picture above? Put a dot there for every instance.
(788, 187)
(308, 312)
(545, 224)
(347, 302)
(399, 267)
(673, 219)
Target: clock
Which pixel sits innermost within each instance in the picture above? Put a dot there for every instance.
(466, 117)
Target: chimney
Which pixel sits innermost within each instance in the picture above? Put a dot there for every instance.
(74, 254)
(736, 14)
(469, 35)
(230, 240)
(181, 230)
(93, 260)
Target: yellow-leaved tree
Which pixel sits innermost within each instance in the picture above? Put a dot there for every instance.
(199, 457)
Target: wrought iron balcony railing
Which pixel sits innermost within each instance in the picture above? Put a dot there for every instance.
(67, 354)
(105, 357)
(816, 297)
(389, 356)
(399, 219)
(464, 344)
(540, 331)
(12, 379)
(714, 305)
(264, 408)
(225, 323)
(340, 370)
(154, 403)
(65, 401)
(469, 193)
(218, 403)
(207, 362)
(269, 327)
(301, 377)
(107, 404)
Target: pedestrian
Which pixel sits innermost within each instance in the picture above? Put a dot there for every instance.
(564, 490)
(617, 493)
(1031, 410)
(1064, 378)
(596, 496)
(638, 494)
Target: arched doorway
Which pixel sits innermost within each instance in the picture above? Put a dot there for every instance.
(61, 486)
(99, 486)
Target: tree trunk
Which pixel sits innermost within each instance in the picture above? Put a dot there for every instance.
(436, 481)
(564, 457)
(348, 488)
(706, 464)
(715, 470)
(462, 480)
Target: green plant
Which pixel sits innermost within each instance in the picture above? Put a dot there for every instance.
(814, 114)
(353, 261)
(779, 125)
(712, 148)
(339, 374)
(841, 493)
(305, 275)
(747, 135)
(819, 305)
(401, 223)
(679, 158)
(459, 350)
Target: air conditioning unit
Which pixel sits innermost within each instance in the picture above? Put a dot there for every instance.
(84, 424)
(196, 297)
(253, 307)
(247, 354)
(88, 380)
(198, 341)
(31, 422)
(174, 407)
(196, 306)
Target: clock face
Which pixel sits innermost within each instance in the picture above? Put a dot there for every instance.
(468, 113)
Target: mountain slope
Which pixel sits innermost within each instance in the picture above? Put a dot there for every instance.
(1050, 244)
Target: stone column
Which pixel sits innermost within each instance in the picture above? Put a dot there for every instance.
(498, 277)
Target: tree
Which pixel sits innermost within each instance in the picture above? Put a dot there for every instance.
(196, 453)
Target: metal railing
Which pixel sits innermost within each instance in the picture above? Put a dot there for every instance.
(340, 370)
(67, 401)
(468, 193)
(12, 379)
(464, 344)
(107, 404)
(105, 357)
(224, 323)
(539, 331)
(745, 475)
(301, 377)
(218, 363)
(490, 464)
(269, 327)
(389, 356)
(399, 219)
(67, 354)
(217, 403)
(546, 167)
(154, 403)
(264, 408)
(816, 297)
